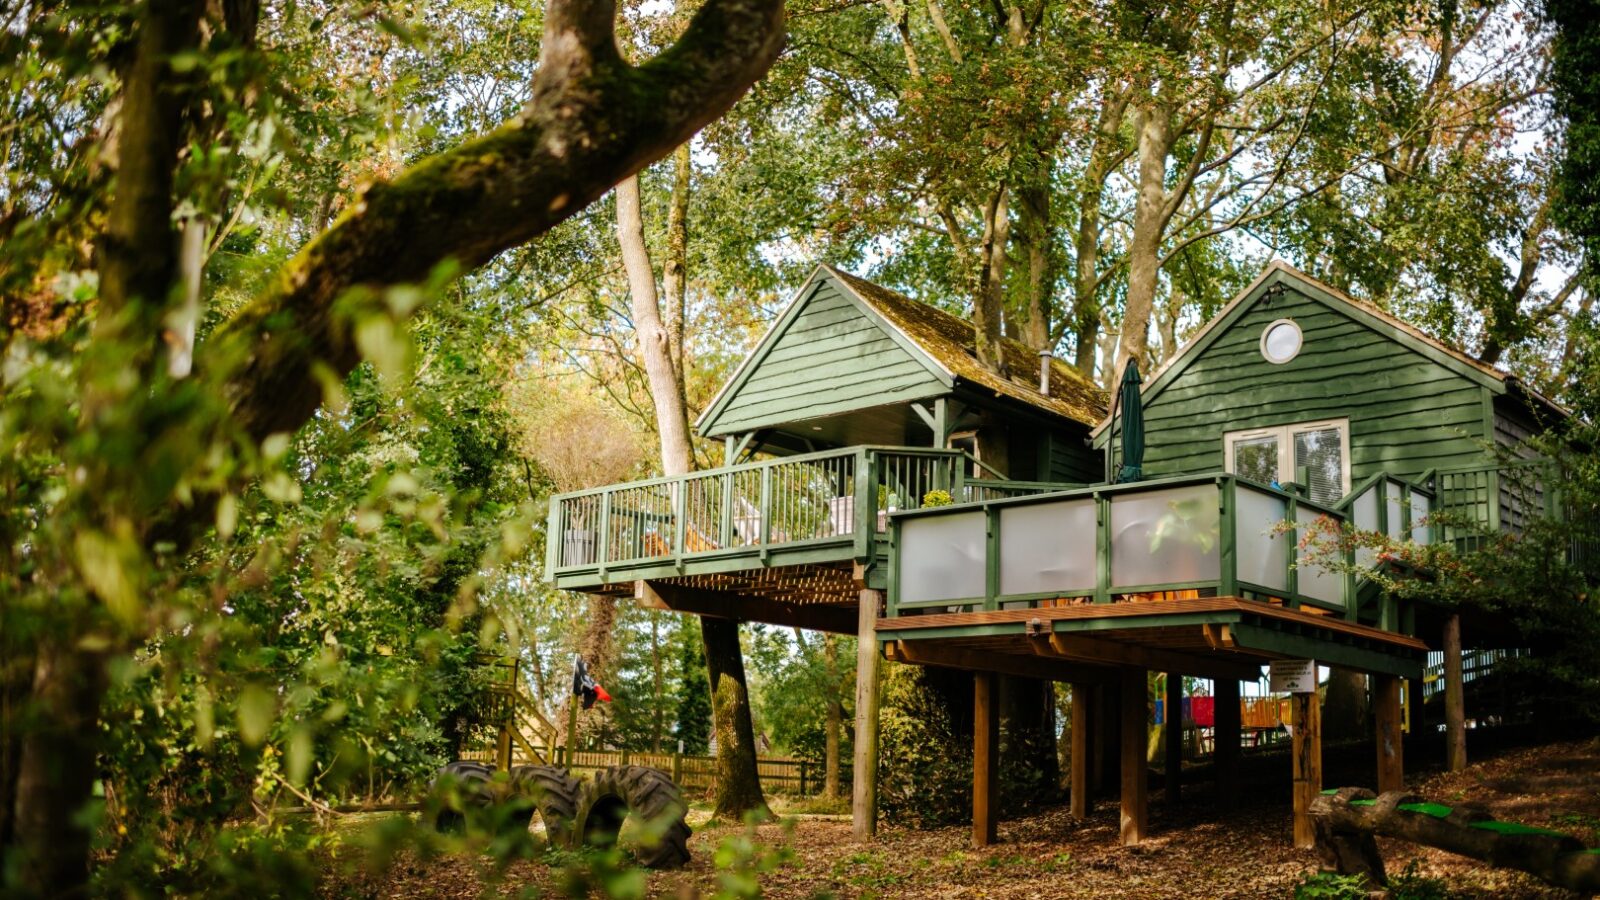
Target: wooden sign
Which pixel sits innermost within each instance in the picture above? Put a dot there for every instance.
(1293, 676)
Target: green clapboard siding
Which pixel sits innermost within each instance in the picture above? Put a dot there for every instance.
(1407, 413)
(833, 357)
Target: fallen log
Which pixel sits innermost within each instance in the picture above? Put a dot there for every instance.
(1347, 820)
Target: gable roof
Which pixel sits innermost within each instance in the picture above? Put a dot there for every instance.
(1369, 314)
(944, 344)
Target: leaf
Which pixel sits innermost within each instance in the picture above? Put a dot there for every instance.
(257, 707)
(298, 759)
(103, 561)
(227, 516)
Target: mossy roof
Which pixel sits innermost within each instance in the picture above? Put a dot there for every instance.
(949, 340)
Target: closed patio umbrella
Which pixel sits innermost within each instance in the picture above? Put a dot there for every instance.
(1132, 424)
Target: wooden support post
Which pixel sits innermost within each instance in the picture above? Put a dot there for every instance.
(502, 750)
(1173, 718)
(1386, 715)
(1455, 712)
(1225, 746)
(1104, 736)
(985, 759)
(1135, 738)
(1080, 752)
(1305, 720)
(864, 779)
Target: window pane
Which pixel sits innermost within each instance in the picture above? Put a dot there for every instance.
(1256, 459)
(1319, 452)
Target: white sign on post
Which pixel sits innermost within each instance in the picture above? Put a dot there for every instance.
(1293, 676)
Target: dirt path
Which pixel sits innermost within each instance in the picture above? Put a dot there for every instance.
(1194, 852)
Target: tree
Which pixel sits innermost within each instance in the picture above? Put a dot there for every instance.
(149, 485)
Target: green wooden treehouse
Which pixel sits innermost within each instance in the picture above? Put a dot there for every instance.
(1296, 403)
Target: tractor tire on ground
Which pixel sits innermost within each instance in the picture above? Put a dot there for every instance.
(645, 794)
(474, 789)
(554, 794)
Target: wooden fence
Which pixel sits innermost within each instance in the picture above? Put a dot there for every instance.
(692, 772)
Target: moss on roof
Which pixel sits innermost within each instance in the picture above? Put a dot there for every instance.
(950, 341)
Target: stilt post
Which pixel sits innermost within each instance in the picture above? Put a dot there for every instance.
(1455, 713)
(1305, 719)
(1386, 715)
(1135, 720)
(1225, 746)
(1079, 784)
(864, 779)
(985, 760)
(1173, 737)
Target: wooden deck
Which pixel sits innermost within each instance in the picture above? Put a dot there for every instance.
(1207, 636)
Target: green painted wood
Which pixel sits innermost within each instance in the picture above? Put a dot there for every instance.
(1333, 653)
(1408, 410)
(828, 355)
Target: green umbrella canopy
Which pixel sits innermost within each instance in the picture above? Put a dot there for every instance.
(1132, 424)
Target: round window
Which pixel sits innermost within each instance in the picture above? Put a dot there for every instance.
(1280, 342)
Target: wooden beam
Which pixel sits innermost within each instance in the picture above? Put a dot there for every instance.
(930, 653)
(985, 760)
(743, 607)
(1135, 737)
(1173, 719)
(864, 780)
(1305, 721)
(1386, 713)
(1108, 652)
(1079, 759)
(1455, 712)
(1225, 743)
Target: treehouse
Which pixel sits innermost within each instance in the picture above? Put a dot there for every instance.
(1297, 406)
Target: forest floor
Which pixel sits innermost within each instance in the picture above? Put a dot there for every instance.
(1195, 850)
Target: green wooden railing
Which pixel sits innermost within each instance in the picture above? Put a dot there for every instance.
(830, 505)
(1216, 535)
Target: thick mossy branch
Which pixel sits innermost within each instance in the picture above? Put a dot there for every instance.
(593, 120)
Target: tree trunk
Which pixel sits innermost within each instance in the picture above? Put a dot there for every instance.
(1345, 711)
(1149, 222)
(835, 720)
(657, 713)
(738, 782)
(1086, 241)
(655, 344)
(1037, 237)
(675, 270)
(56, 773)
(988, 301)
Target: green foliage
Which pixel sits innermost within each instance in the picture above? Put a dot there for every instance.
(1575, 82)
(1331, 886)
(925, 753)
(692, 726)
(936, 498)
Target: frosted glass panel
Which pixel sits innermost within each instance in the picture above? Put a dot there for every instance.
(1366, 519)
(1047, 547)
(1315, 581)
(1420, 506)
(942, 557)
(1260, 549)
(1396, 519)
(1165, 536)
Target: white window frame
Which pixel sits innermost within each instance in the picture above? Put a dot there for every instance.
(1285, 435)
